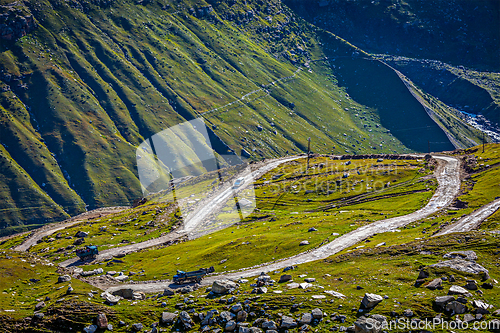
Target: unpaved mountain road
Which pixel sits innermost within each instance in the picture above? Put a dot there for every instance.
(194, 219)
(448, 175)
(473, 220)
(49, 229)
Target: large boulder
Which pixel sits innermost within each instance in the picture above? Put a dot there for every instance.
(63, 278)
(129, 293)
(467, 255)
(441, 301)
(457, 290)
(230, 326)
(374, 324)
(481, 307)
(317, 313)
(168, 318)
(223, 286)
(285, 278)
(269, 325)
(456, 308)
(186, 320)
(81, 234)
(241, 316)
(287, 323)
(306, 319)
(110, 299)
(464, 266)
(371, 300)
(434, 284)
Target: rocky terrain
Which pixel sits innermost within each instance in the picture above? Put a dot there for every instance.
(435, 269)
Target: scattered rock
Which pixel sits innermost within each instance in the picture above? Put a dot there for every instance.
(230, 326)
(90, 329)
(306, 319)
(269, 325)
(469, 318)
(487, 285)
(434, 284)
(137, 327)
(456, 290)
(317, 313)
(304, 242)
(236, 308)
(101, 321)
(81, 234)
(259, 290)
(39, 305)
(241, 316)
(441, 301)
(369, 325)
(293, 285)
(168, 318)
(63, 278)
(481, 307)
(285, 278)
(371, 300)
(186, 320)
(110, 299)
(39, 315)
(312, 229)
(471, 285)
(335, 294)
(79, 241)
(310, 280)
(456, 308)
(408, 313)
(423, 274)
(287, 323)
(168, 292)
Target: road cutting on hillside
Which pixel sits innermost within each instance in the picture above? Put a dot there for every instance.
(193, 220)
(448, 176)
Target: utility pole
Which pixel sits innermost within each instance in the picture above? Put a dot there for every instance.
(483, 142)
(308, 151)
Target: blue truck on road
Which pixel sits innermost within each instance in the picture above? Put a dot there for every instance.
(89, 252)
(194, 276)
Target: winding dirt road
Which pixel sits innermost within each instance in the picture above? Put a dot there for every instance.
(193, 220)
(473, 220)
(49, 229)
(448, 176)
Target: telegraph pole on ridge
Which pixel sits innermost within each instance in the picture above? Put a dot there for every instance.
(308, 151)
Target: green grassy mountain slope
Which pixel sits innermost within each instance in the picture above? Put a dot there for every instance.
(86, 83)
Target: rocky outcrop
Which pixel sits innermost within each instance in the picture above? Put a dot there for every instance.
(15, 23)
(464, 266)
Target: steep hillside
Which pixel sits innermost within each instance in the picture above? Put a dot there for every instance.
(460, 32)
(83, 83)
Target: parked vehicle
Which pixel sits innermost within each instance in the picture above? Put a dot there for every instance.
(238, 183)
(89, 252)
(194, 276)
